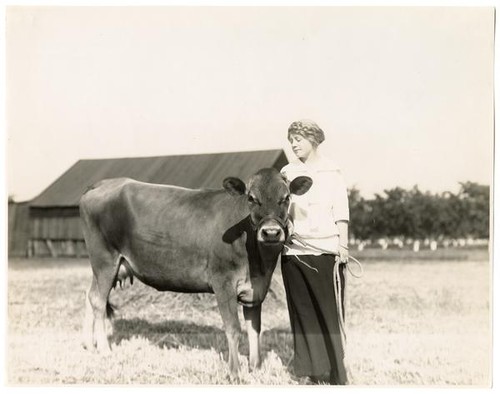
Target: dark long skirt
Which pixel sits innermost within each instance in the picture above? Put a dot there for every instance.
(318, 347)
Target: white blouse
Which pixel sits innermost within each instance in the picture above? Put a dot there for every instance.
(316, 212)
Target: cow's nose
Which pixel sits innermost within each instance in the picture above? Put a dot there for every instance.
(271, 232)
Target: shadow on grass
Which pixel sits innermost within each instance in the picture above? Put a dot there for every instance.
(170, 334)
(174, 334)
(279, 341)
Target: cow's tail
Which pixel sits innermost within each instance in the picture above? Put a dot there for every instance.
(110, 310)
(93, 186)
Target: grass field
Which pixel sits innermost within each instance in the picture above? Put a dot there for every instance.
(413, 319)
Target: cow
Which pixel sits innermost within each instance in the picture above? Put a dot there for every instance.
(223, 241)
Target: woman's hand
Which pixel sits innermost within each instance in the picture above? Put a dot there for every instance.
(343, 253)
(343, 226)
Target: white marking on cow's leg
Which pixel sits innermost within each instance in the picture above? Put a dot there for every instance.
(252, 319)
(88, 324)
(109, 326)
(100, 331)
(98, 301)
(105, 276)
(101, 335)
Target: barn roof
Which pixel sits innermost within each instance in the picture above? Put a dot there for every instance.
(193, 171)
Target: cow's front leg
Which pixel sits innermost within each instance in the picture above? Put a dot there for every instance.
(228, 306)
(252, 319)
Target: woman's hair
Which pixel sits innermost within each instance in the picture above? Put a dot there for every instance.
(307, 129)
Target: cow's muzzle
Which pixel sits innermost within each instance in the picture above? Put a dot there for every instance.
(272, 230)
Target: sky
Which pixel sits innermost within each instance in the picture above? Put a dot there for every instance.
(404, 95)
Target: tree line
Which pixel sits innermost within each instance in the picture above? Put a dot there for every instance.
(414, 214)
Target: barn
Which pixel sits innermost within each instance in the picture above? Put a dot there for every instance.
(54, 222)
(18, 228)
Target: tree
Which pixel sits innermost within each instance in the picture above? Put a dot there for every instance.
(360, 215)
(418, 215)
(475, 207)
(394, 214)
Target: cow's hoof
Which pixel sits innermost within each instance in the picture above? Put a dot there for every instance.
(254, 366)
(306, 381)
(87, 344)
(105, 353)
(104, 350)
(234, 379)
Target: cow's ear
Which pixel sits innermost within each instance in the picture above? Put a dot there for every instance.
(300, 185)
(234, 186)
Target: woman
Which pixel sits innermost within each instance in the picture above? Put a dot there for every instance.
(320, 219)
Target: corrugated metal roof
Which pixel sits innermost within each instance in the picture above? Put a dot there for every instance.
(193, 171)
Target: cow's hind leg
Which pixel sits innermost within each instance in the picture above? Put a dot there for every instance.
(97, 307)
(88, 324)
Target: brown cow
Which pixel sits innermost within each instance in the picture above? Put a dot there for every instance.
(225, 242)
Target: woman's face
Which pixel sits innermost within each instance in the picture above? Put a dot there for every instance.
(301, 146)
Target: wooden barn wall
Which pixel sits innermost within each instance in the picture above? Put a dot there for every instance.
(55, 224)
(56, 232)
(58, 248)
(18, 231)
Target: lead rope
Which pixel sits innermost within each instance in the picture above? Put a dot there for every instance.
(337, 285)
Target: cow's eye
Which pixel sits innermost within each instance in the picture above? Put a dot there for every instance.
(285, 200)
(253, 200)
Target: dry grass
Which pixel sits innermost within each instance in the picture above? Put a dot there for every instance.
(422, 322)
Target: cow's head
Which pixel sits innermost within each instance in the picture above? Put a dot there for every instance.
(268, 194)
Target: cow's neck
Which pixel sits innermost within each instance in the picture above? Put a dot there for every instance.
(261, 256)
(269, 253)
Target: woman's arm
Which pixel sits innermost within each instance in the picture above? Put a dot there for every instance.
(343, 226)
